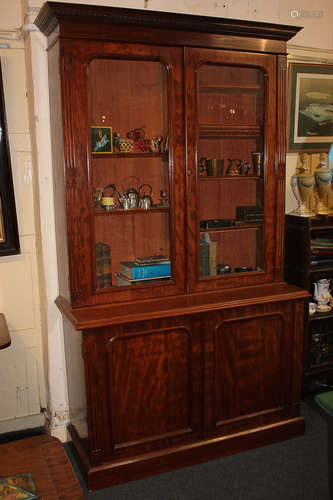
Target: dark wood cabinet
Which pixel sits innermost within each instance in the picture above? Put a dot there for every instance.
(304, 268)
(169, 158)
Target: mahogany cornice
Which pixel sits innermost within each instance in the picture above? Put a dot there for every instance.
(84, 318)
(54, 13)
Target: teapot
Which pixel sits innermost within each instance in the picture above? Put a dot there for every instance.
(322, 294)
(129, 192)
(124, 201)
(133, 197)
(145, 200)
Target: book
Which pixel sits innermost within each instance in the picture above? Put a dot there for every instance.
(152, 259)
(124, 281)
(19, 486)
(103, 265)
(212, 258)
(250, 212)
(134, 271)
(208, 256)
(204, 258)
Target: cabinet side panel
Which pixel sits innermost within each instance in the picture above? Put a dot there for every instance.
(57, 149)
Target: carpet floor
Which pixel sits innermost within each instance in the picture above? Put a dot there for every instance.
(296, 469)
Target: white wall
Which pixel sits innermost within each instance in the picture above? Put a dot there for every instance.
(28, 301)
(22, 383)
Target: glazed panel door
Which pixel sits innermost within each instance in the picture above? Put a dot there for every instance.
(124, 170)
(231, 167)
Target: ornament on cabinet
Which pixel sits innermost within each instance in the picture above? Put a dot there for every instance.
(304, 167)
(145, 199)
(101, 139)
(126, 145)
(233, 167)
(257, 161)
(129, 196)
(164, 202)
(136, 133)
(322, 294)
(214, 167)
(97, 197)
(302, 187)
(156, 144)
(244, 168)
(116, 142)
(323, 188)
(108, 199)
(323, 161)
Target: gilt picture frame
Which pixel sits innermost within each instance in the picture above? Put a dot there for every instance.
(9, 237)
(310, 107)
(101, 140)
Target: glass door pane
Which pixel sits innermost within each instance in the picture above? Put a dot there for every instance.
(231, 178)
(129, 172)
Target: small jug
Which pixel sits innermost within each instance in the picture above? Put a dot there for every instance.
(322, 294)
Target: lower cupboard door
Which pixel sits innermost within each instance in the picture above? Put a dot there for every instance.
(153, 384)
(252, 367)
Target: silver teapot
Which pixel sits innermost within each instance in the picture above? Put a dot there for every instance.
(129, 195)
(133, 196)
(124, 201)
(145, 200)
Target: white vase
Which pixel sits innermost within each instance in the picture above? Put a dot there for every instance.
(323, 186)
(302, 186)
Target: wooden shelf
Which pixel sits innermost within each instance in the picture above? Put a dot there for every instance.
(316, 269)
(321, 315)
(230, 87)
(131, 211)
(232, 228)
(230, 177)
(240, 131)
(163, 156)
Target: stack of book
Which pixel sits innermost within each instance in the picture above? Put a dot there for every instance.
(143, 269)
(250, 214)
(103, 265)
(321, 252)
(208, 250)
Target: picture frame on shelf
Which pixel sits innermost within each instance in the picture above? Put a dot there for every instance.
(101, 139)
(310, 107)
(9, 238)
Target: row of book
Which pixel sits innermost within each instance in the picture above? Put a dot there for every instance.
(321, 252)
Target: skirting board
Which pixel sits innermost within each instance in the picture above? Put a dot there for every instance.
(136, 467)
(22, 423)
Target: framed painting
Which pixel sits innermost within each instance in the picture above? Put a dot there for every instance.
(310, 107)
(9, 238)
(101, 140)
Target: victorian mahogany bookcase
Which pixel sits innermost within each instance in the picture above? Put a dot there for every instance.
(168, 146)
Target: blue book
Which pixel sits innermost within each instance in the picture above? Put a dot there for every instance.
(133, 271)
